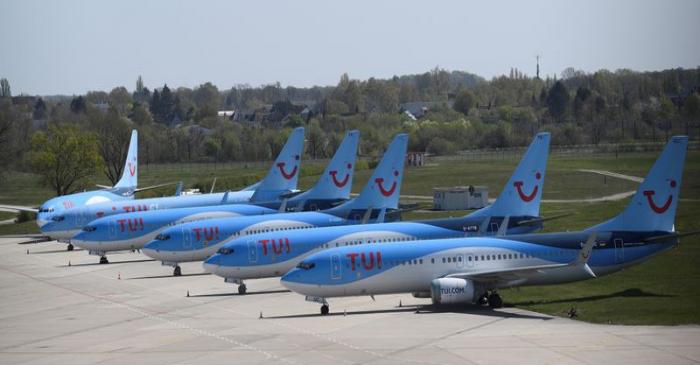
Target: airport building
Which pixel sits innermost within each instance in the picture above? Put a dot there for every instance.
(460, 197)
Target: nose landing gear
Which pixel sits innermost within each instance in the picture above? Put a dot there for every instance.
(177, 271)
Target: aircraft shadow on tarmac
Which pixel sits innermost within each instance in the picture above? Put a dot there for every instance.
(427, 309)
(110, 263)
(239, 295)
(55, 251)
(627, 293)
(168, 276)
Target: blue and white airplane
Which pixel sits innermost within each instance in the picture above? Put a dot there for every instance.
(130, 231)
(378, 199)
(471, 270)
(515, 211)
(281, 179)
(123, 190)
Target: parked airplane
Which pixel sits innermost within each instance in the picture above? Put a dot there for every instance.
(469, 270)
(379, 197)
(123, 190)
(515, 211)
(129, 231)
(281, 179)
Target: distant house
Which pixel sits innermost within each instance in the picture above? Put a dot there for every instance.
(416, 109)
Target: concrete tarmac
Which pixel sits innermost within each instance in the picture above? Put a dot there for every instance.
(132, 311)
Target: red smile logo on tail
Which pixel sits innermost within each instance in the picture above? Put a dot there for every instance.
(286, 175)
(384, 191)
(341, 183)
(132, 167)
(527, 197)
(650, 199)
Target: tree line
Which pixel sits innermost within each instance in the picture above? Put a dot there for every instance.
(443, 112)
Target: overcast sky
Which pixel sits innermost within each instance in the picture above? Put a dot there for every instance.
(71, 47)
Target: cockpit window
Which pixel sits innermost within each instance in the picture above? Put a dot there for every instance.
(225, 251)
(89, 228)
(45, 210)
(163, 237)
(306, 265)
(58, 218)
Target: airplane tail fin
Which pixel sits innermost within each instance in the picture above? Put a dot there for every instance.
(130, 173)
(384, 186)
(653, 207)
(284, 173)
(523, 192)
(336, 180)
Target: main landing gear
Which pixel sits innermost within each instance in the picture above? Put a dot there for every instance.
(492, 299)
(495, 300)
(103, 260)
(177, 271)
(70, 247)
(241, 285)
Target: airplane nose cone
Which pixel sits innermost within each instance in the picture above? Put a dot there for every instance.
(152, 249)
(212, 264)
(291, 279)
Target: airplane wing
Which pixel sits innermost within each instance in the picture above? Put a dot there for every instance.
(519, 273)
(18, 208)
(154, 187)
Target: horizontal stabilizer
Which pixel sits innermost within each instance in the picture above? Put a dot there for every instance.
(534, 221)
(665, 237)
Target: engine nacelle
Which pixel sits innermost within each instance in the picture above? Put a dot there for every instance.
(421, 294)
(452, 291)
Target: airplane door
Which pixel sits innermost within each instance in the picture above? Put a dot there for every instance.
(335, 267)
(112, 229)
(619, 250)
(252, 252)
(186, 238)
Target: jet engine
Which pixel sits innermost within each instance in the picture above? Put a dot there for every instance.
(452, 291)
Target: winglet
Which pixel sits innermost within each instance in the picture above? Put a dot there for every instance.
(224, 199)
(585, 254)
(503, 228)
(178, 188)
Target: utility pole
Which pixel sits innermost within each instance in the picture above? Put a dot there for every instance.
(538, 66)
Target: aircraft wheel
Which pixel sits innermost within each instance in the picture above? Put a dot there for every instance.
(177, 271)
(103, 260)
(324, 309)
(495, 301)
(483, 300)
(70, 247)
(242, 289)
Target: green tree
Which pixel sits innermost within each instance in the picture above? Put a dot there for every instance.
(558, 101)
(113, 133)
(315, 138)
(5, 91)
(464, 101)
(77, 105)
(691, 111)
(120, 99)
(66, 157)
